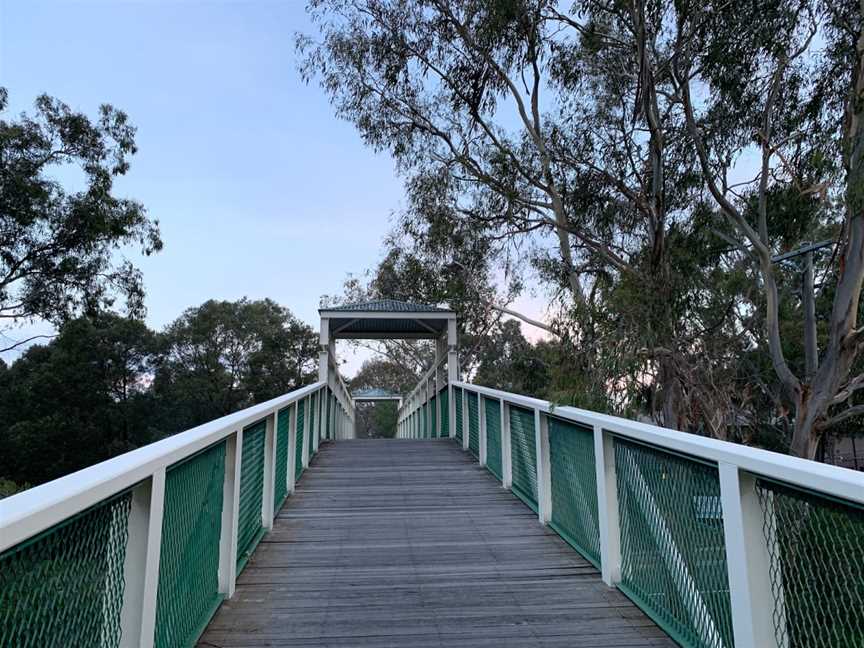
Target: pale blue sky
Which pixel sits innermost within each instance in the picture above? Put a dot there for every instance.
(259, 189)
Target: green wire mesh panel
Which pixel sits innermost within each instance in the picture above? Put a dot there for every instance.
(457, 398)
(493, 436)
(249, 523)
(433, 411)
(473, 424)
(424, 421)
(445, 413)
(64, 587)
(298, 446)
(189, 560)
(673, 557)
(313, 406)
(574, 487)
(283, 431)
(523, 455)
(816, 547)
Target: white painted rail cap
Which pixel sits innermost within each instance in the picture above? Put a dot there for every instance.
(39, 508)
(811, 475)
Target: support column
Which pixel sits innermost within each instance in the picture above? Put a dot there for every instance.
(748, 561)
(267, 501)
(230, 513)
(466, 420)
(544, 468)
(141, 566)
(481, 425)
(607, 506)
(324, 350)
(292, 448)
(506, 456)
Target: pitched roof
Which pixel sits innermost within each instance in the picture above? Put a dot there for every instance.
(387, 306)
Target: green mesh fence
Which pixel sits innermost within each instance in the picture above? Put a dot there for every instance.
(445, 413)
(523, 455)
(493, 436)
(189, 560)
(816, 548)
(298, 446)
(574, 487)
(283, 439)
(457, 398)
(64, 587)
(249, 524)
(424, 421)
(433, 417)
(473, 424)
(673, 557)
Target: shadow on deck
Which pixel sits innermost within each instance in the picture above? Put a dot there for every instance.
(411, 543)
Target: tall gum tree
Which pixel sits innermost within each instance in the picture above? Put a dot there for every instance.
(777, 52)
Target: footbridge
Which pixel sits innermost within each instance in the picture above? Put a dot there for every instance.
(493, 519)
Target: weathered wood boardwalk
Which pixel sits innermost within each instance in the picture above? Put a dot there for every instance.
(411, 544)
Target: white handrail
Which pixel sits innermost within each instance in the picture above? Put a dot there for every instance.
(811, 475)
(25, 514)
(751, 590)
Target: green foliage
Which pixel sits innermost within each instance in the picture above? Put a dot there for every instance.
(57, 252)
(223, 356)
(107, 384)
(78, 400)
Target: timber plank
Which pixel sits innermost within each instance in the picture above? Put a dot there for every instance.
(394, 543)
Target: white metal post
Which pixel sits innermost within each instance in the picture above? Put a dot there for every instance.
(141, 566)
(607, 506)
(230, 513)
(451, 409)
(324, 350)
(307, 432)
(466, 430)
(544, 467)
(268, 497)
(481, 424)
(506, 455)
(747, 560)
(292, 448)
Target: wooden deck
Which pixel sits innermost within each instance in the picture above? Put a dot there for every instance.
(411, 544)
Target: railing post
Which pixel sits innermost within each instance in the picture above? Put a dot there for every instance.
(747, 560)
(506, 455)
(451, 410)
(141, 566)
(267, 500)
(292, 448)
(316, 433)
(307, 429)
(607, 506)
(230, 512)
(544, 465)
(481, 426)
(466, 420)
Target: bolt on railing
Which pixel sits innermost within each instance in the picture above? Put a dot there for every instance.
(721, 544)
(141, 549)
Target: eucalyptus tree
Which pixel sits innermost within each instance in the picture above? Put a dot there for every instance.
(514, 119)
(801, 108)
(59, 246)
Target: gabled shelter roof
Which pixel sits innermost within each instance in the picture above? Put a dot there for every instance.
(387, 318)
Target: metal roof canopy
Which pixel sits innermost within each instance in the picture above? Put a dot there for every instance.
(387, 319)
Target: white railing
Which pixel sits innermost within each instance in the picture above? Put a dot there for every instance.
(429, 385)
(754, 604)
(40, 509)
